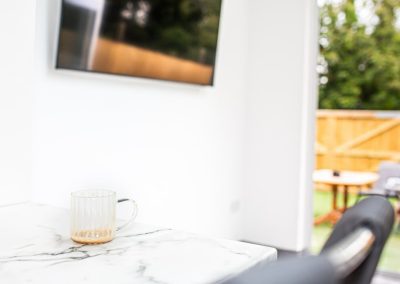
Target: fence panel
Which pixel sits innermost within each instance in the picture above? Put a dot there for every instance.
(356, 140)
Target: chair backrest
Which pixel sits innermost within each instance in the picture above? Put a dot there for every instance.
(386, 170)
(375, 214)
(301, 270)
(350, 255)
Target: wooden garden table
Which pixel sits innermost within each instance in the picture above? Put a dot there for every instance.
(345, 180)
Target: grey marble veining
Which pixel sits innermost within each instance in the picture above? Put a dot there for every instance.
(35, 248)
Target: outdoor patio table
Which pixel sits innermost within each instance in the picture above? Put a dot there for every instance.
(345, 180)
(35, 248)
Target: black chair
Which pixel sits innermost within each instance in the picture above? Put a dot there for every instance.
(302, 270)
(350, 255)
(370, 220)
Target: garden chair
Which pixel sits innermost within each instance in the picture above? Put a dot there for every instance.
(389, 180)
(388, 184)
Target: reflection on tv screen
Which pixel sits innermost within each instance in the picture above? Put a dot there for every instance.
(162, 39)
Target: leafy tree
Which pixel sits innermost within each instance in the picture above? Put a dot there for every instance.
(359, 64)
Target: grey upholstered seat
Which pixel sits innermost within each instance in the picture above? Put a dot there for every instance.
(386, 171)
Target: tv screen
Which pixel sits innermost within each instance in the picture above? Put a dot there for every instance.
(172, 40)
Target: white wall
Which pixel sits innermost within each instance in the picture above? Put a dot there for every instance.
(177, 149)
(196, 158)
(16, 51)
(280, 122)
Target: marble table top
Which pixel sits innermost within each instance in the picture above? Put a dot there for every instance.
(35, 248)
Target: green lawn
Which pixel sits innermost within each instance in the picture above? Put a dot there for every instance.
(390, 260)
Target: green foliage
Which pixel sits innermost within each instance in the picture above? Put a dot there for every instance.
(359, 64)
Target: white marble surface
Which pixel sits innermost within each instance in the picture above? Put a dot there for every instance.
(35, 248)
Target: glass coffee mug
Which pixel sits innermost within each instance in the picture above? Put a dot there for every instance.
(93, 216)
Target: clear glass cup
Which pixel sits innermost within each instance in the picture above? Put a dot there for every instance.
(93, 216)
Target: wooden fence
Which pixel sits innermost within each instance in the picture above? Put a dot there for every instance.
(357, 140)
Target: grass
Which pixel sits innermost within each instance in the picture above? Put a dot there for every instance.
(390, 260)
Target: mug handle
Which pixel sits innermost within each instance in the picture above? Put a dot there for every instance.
(133, 215)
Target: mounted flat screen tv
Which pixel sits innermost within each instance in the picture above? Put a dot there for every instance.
(173, 40)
